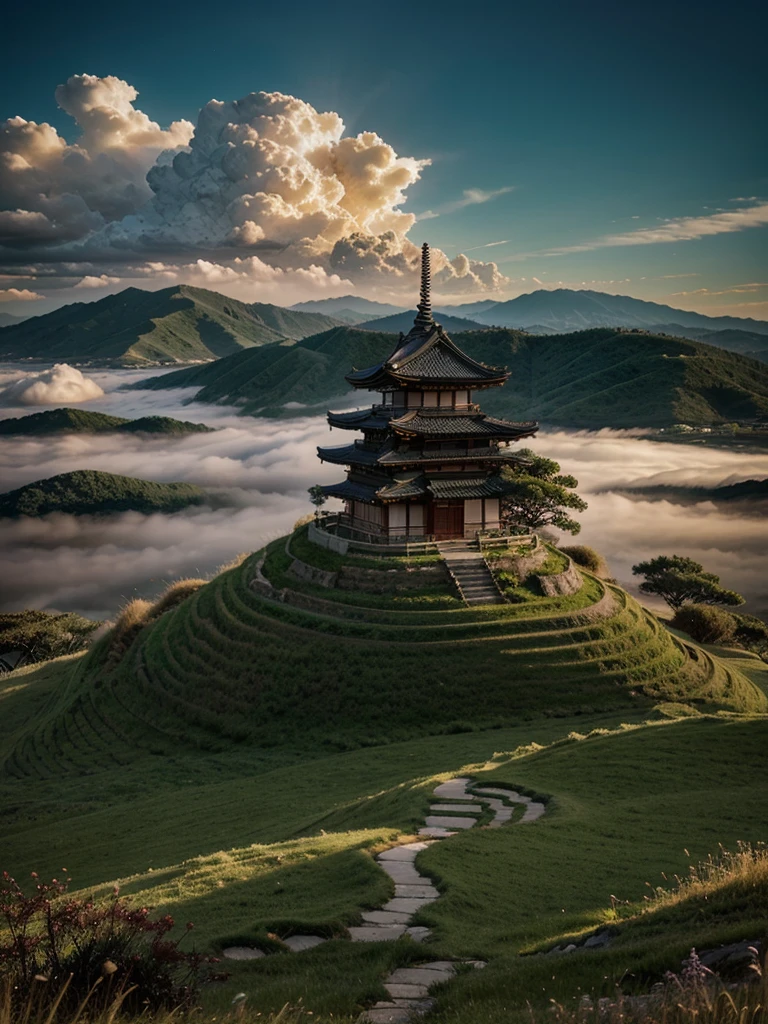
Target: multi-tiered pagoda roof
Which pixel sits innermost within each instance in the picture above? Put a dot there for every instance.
(426, 447)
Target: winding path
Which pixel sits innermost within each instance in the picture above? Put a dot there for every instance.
(459, 804)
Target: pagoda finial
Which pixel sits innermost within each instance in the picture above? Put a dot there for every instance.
(424, 315)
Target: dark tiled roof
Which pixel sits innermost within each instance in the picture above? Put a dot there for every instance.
(348, 490)
(349, 454)
(416, 487)
(425, 422)
(427, 355)
(412, 456)
(468, 487)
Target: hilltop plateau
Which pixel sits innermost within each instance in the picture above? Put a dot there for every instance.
(83, 421)
(174, 325)
(92, 492)
(595, 378)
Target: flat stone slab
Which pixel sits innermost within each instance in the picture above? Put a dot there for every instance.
(402, 991)
(453, 789)
(385, 917)
(376, 933)
(445, 821)
(436, 833)
(407, 852)
(533, 811)
(510, 794)
(416, 891)
(426, 975)
(418, 932)
(463, 808)
(298, 943)
(386, 1015)
(401, 905)
(402, 873)
(242, 953)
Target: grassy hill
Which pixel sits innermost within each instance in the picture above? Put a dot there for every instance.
(92, 492)
(174, 325)
(82, 421)
(235, 760)
(595, 378)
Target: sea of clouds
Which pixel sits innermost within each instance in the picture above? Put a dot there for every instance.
(264, 467)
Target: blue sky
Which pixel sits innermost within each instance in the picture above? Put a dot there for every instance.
(574, 123)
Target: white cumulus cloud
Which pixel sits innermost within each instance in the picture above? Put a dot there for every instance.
(54, 191)
(267, 178)
(61, 385)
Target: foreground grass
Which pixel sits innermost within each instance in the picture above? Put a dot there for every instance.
(289, 849)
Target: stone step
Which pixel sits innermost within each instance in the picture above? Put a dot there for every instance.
(376, 932)
(446, 821)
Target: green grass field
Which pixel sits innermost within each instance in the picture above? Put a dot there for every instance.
(241, 762)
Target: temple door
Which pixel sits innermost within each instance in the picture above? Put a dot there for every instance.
(449, 520)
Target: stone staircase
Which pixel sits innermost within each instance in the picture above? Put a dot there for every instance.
(470, 573)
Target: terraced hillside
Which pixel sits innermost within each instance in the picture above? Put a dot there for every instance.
(260, 657)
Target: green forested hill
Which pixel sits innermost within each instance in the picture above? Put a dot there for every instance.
(263, 381)
(91, 492)
(173, 325)
(83, 421)
(596, 378)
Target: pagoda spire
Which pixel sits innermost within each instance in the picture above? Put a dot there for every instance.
(424, 316)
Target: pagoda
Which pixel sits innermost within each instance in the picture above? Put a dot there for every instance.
(428, 464)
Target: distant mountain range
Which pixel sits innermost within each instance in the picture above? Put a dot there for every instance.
(563, 309)
(404, 322)
(351, 308)
(187, 325)
(8, 319)
(83, 421)
(173, 325)
(596, 378)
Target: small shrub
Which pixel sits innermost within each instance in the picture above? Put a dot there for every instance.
(705, 623)
(584, 556)
(129, 623)
(62, 951)
(173, 595)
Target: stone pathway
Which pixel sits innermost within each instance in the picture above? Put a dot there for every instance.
(467, 566)
(459, 803)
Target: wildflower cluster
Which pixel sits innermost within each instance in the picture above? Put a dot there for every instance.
(60, 948)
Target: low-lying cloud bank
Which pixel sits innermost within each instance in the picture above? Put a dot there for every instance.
(261, 184)
(266, 466)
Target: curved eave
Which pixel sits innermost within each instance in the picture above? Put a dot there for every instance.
(348, 455)
(359, 419)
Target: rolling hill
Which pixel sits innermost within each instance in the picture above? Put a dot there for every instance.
(404, 321)
(596, 378)
(174, 325)
(81, 421)
(92, 492)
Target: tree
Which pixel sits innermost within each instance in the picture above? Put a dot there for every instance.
(32, 635)
(680, 580)
(317, 495)
(539, 495)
